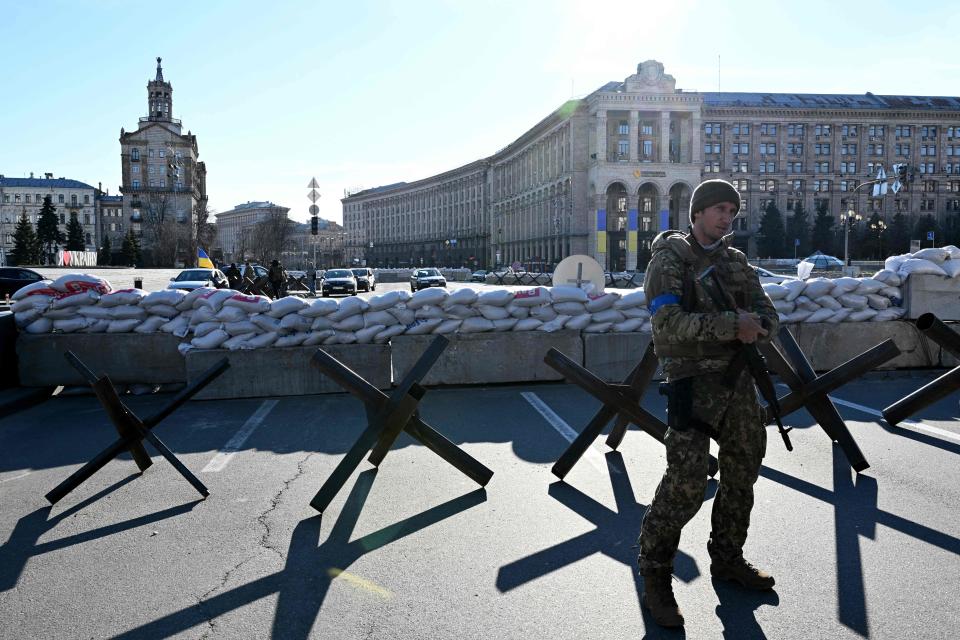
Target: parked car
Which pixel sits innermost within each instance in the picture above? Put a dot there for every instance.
(478, 276)
(190, 279)
(365, 279)
(768, 277)
(258, 271)
(15, 278)
(338, 281)
(426, 278)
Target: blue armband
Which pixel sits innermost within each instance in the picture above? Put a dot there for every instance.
(661, 300)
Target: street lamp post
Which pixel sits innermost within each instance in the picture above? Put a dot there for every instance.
(879, 226)
(848, 220)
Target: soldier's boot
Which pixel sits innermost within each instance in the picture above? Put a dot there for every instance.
(658, 599)
(742, 572)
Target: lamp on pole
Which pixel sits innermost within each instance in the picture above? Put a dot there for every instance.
(879, 227)
(848, 220)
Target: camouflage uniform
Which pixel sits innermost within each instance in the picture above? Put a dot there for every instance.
(698, 340)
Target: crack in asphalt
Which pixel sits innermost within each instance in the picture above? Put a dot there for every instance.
(263, 542)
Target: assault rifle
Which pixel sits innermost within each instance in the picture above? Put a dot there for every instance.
(748, 356)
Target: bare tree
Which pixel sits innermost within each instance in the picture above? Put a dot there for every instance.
(269, 238)
(165, 237)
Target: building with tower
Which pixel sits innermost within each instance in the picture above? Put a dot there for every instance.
(164, 184)
(603, 174)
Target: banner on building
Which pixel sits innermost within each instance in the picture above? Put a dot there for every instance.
(67, 258)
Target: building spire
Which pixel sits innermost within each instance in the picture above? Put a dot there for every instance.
(159, 77)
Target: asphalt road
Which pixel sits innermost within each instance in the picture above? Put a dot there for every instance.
(417, 550)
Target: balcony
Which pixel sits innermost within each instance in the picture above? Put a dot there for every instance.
(160, 119)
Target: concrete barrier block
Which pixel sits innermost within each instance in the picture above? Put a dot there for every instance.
(612, 356)
(285, 371)
(127, 358)
(488, 358)
(927, 293)
(828, 345)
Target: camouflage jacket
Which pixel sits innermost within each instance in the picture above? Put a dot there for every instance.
(693, 336)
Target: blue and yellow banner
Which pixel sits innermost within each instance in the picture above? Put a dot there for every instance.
(203, 260)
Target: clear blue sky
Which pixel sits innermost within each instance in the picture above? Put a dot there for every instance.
(365, 93)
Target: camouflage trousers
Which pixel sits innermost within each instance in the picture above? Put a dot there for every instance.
(742, 438)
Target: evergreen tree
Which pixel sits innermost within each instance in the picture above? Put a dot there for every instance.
(75, 234)
(130, 249)
(822, 236)
(103, 255)
(49, 235)
(798, 228)
(925, 224)
(771, 234)
(897, 237)
(25, 245)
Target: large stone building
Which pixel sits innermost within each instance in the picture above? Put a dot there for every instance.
(164, 184)
(234, 227)
(603, 174)
(19, 195)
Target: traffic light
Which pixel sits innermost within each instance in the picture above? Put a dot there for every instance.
(314, 225)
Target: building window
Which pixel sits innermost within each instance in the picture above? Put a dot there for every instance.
(768, 148)
(37, 198)
(16, 198)
(821, 185)
(795, 185)
(902, 131)
(86, 199)
(712, 128)
(822, 149)
(795, 130)
(73, 199)
(928, 150)
(742, 167)
(741, 128)
(877, 130)
(794, 167)
(930, 186)
(161, 152)
(163, 184)
(795, 148)
(179, 185)
(955, 186)
(136, 184)
(646, 128)
(821, 167)
(822, 130)
(623, 148)
(150, 152)
(87, 238)
(902, 149)
(62, 218)
(768, 185)
(135, 155)
(741, 148)
(926, 205)
(741, 184)
(623, 128)
(848, 167)
(26, 198)
(768, 129)
(135, 168)
(86, 218)
(60, 198)
(928, 132)
(849, 130)
(848, 185)
(926, 168)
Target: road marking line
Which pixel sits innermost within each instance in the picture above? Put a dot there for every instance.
(592, 454)
(22, 475)
(220, 460)
(903, 423)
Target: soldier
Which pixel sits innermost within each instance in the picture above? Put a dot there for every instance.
(277, 277)
(233, 276)
(695, 342)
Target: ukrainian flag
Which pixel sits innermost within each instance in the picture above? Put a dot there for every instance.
(203, 260)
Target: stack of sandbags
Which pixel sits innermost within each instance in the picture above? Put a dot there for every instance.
(844, 299)
(56, 305)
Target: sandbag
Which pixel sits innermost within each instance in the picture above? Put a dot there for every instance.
(628, 326)
(403, 315)
(96, 311)
(39, 302)
(214, 299)
(878, 302)
(544, 313)
(602, 302)
(632, 312)
(389, 332)
(371, 318)
(237, 342)
(391, 299)
(794, 289)
(532, 297)
(492, 312)
(263, 340)
(266, 323)
(320, 307)
(464, 296)
(295, 323)
(503, 325)
(317, 337)
(62, 314)
(797, 316)
(348, 307)
(422, 326)
(554, 325)
(203, 314)
(320, 324)
(784, 306)
(844, 285)
(839, 315)
(952, 251)
(288, 304)
(239, 328)
(566, 293)
(447, 326)
(893, 263)
(598, 327)
(76, 323)
(98, 326)
(178, 326)
(775, 291)
(342, 337)
(891, 292)
(28, 316)
(151, 324)
(459, 311)
(293, 340)
(430, 311)
(76, 282)
(915, 265)
(635, 299)
(951, 267)
(888, 277)
(123, 326)
(868, 285)
(367, 334)
(892, 313)
(249, 304)
(933, 254)
(76, 299)
(863, 315)
(477, 324)
(40, 325)
(853, 301)
(204, 328)
(495, 298)
(123, 296)
(822, 315)
(516, 311)
(41, 287)
(431, 295)
(817, 287)
(169, 297)
(579, 308)
(581, 322)
(828, 302)
(163, 310)
(350, 323)
(127, 312)
(803, 302)
(212, 340)
(526, 324)
(608, 316)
